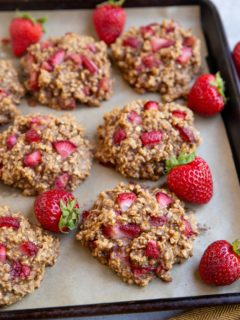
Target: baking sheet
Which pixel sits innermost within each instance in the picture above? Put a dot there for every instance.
(78, 278)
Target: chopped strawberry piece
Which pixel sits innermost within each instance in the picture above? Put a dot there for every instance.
(151, 105)
(112, 231)
(163, 199)
(188, 231)
(151, 138)
(125, 200)
(38, 120)
(160, 43)
(3, 93)
(138, 272)
(32, 136)
(85, 215)
(150, 61)
(89, 64)
(19, 270)
(134, 117)
(64, 147)
(119, 135)
(179, 114)
(5, 41)
(148, 30)
(186, 134)
(158, 221)
(86, 90)
(57, 58)
(185, 55)
(131, 230)
(47, 66)
(32, 159)
(11, 141)
(46, 44)
(91, 47)
(152, 250)
(9, 222)
(33, 81)
(189, 41)
(132, 42)
(104, 84)
(2, 253)
(76, 58)
(29, 248)
(159, 269)
(170, 28)
(61, 181)
(67, 104)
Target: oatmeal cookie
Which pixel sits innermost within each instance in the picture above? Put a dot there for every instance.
(40, 152)
(139, 233)
(25, 251)
(61, 72)
(138, 139)
(11, 92)
(158, 58)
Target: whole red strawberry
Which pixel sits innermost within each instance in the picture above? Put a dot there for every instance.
(109, 19)
(190, 178)
(236, 57)
(220, 263)
(57, 210)
(207, 95)
(25, 31)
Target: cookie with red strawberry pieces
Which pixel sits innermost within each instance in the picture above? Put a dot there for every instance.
(159, 58)
(139, 233)
(65, 71)
(137, 139)
(38, 153)
(25, 251)
(11, 91)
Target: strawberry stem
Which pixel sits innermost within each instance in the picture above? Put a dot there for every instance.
(236, 247)
(219, 84)
(27, 16)
(70, 215)
(117, 3)
(183, 158)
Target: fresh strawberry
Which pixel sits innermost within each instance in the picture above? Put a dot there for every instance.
(160, 43)
(179, 114)
(151, 105)
(163, 199)
(207, 95)
(32, 136)
(186, 134)
(25, 31)
(9, 222)
(134, 117)
(125, 200)
(57, 210)
(132, 42)
(152, 250)
(220, 263)
(151, 138)
(64, 147)
(29, 248)
(236, 57)
(119, 135)
(19, 270)
(185, 55)
(3, 253)
(61, 181)
(109, 20)
(32, 159)
(89, 64)
(190, 178)
(11, 141)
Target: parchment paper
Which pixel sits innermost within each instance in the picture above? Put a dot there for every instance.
(78, 278)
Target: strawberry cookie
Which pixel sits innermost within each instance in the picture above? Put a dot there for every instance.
(11, 92)
(138, 139)
(158, 58)
(139, 233)
(25, 251)
(38, 153)
(61, 72)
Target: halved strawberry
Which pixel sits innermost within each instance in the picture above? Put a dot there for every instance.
(159, 43)
(32, 136)
(151, 138)
(29, 248)
(158, 221)
(185, 55)
(186, 134)
(131, 230)
(132, 42)
(64, 147)
(2, 253)
(163, 199)
(11, 141)
(9, 222)
(152, 250)
(76, 58)
(19, 270)
(61, 181)
(57, 58)
(179, 114)
(134, 117)
(125, 200)
(151, 105)
(32, 159)
(119, 135)
(150, 61)
(89, 64)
